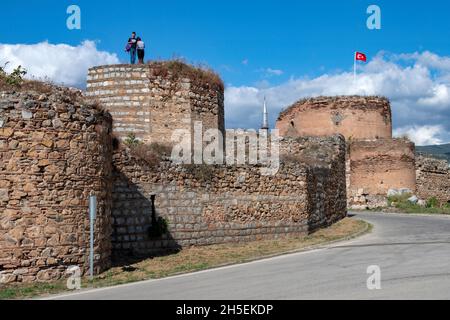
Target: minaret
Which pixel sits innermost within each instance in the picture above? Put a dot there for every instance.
(265, 124)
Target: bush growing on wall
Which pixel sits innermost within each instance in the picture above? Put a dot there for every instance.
(13, 79)
(152, 153)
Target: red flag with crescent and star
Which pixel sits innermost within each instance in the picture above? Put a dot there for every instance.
(360, 56)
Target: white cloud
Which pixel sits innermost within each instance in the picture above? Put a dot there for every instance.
(421, 135)
(427, 59)
(418, 86)
(61, 63)
(274, 72)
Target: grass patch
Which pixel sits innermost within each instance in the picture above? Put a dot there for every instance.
(401, 203)
(24, 291)
(15, 81)
(196, 259)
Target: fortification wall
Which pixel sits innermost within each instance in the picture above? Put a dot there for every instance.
(217, 204)
(353, 117)
(377, 166)
(375, 162)
(153, 100)
(433, 179)
(54, 150)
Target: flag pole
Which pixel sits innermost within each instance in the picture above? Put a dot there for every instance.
(354, 68)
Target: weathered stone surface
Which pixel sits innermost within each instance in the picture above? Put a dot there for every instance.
(413, 199)
(375, 161)
(151, 104)
(355, 117)
(7, 277)
(51, 162)
(308, 192)
(45, 183)
(433, 179)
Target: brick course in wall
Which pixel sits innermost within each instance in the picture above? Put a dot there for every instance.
(377, 166)
(237, 204)
(354, 117)
(151, 103)
(375, 162)
(54, 150)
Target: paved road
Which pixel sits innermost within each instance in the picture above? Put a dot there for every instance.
(413, 253)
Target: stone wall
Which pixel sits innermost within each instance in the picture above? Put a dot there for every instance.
(54, 150)
(153, 100)
(353, 117)
(221, 204)
(377, 166)
(375, 162)
(433, 179)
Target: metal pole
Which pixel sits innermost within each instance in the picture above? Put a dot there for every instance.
(92, 216)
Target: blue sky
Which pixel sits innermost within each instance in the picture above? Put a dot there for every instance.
(262, 45)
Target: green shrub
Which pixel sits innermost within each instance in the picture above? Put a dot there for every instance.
(14, 79)
(432, 207)
(159, 228)
(399, 199)
(432, 203)
(132, 141)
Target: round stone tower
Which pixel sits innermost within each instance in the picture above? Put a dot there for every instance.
(151, 101)
(353, 117)
(375, 161)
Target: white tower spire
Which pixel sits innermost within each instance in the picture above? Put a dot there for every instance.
(265, 124)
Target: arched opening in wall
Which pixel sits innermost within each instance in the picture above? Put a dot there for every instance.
(292, 124)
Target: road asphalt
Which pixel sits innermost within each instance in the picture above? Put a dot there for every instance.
(411, 253)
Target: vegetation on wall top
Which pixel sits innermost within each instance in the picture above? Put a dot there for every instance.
(177, 68)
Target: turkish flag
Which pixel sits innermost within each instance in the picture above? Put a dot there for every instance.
(360, 56)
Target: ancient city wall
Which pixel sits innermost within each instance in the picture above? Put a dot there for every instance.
(153, 100)
(377, 166)
(217, 204)
(375, 162)
(433, 179)
(57, 147)
(353, 117)
(54, 150)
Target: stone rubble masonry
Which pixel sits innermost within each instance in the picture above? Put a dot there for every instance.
(237, 204)
(375, 162)
(433, 179)
(352, 116)
(54, 150)
(376, 167)
(151, 104)
(57, 147)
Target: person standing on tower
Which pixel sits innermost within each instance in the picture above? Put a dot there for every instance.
(131, 47)
(140, 50)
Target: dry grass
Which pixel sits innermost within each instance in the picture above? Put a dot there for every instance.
(177, 68)
(200, 172)
(27, 85)
(152, 153)
(199, 258)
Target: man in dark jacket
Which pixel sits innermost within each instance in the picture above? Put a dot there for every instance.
(131, 47)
